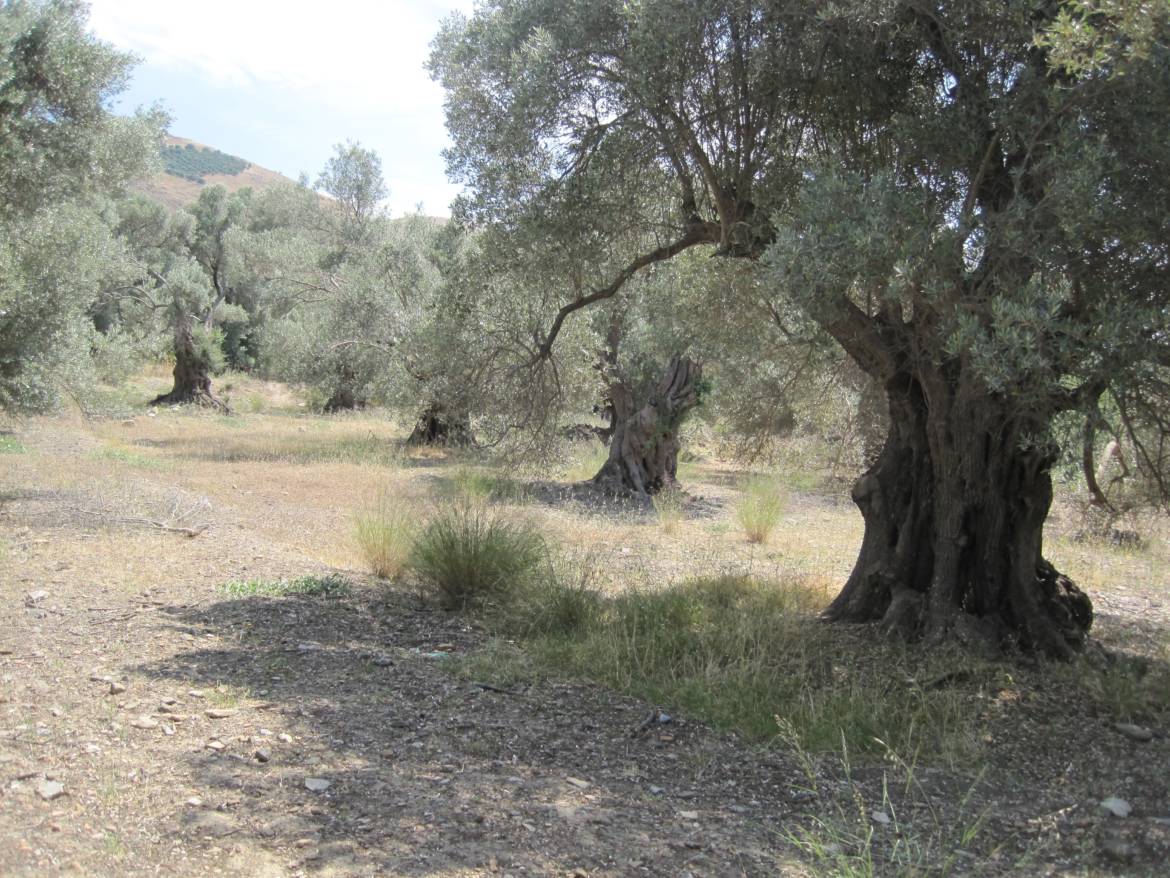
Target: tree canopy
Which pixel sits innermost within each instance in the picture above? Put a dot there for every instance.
(981, 228)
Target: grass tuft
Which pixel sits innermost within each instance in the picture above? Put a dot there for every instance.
(760, 508)
(470, 555)
(668, 505)
(332, 585)
(475, 484)
(385, 532)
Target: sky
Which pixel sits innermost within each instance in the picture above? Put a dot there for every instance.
(281, 83)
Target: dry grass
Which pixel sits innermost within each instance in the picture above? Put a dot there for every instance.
(385, 529)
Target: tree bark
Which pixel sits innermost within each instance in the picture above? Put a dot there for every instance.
(345, 397)
(954, 511)
(643, 453)
(437, 426)
(192, 373)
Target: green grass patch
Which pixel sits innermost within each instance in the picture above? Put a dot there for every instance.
(331, 585)
(128, 457)
(470, 556)
(468, 483)
(10, 445)
(737, 652)
(584, 460)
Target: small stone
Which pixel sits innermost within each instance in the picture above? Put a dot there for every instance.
(195, 693)
(50, 790)
(1117, 807)
(383, 661)
(220, 712)
(35, 597)
(317, 784)
(284, 738)
(117, 688)
(216, 745)
(1134, 732)
(578, 783)
(266, 732)
(880, 817)
(144, 722)
(689, 815)
(262, 755)
(656, 791)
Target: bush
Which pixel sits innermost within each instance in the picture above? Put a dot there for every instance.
(470, 555)
(385, 532)
(760, 509)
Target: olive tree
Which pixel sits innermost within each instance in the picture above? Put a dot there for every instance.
(59, 146)
(981, 230)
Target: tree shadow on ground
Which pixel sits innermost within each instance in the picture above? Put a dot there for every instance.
(429, 774)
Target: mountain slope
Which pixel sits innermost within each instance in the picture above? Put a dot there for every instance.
(199, 169)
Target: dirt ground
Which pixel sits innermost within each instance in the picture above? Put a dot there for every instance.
(152, 724)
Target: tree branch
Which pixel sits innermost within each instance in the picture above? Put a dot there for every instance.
(697, 234)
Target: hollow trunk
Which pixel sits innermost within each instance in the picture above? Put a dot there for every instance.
(643, 453)
(192, 373)
(438, 426)
(954, 511)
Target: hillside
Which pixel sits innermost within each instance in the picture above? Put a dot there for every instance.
(192, 166)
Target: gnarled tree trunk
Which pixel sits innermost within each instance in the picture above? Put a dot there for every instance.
(643, 453)
(345, 396)
(192, 373)
(438, 426)
(954, 512)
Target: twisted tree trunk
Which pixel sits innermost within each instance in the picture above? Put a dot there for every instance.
(643, 453)
(192, 373)
(345, 396)
(438, 426)
(954, 512)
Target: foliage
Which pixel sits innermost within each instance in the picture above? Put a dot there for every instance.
(759, 510)
(385, 531)
(194, 163)
(10, 445)
(57, 140)
(472, 556)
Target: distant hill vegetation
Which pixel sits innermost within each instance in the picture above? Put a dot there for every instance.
(189, 166)
(194, 163)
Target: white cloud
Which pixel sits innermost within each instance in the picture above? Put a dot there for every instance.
(356, 55)
(355, 59)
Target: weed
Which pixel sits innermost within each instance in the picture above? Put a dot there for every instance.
(668, 505)
(470, 555)
(760, 508)
(385, 532)
(332, 585)
(864, 836)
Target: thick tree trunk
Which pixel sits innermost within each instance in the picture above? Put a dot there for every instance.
(643, 453)
(954, 512)
(345, 397)
(438, 426)
(192, 374)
